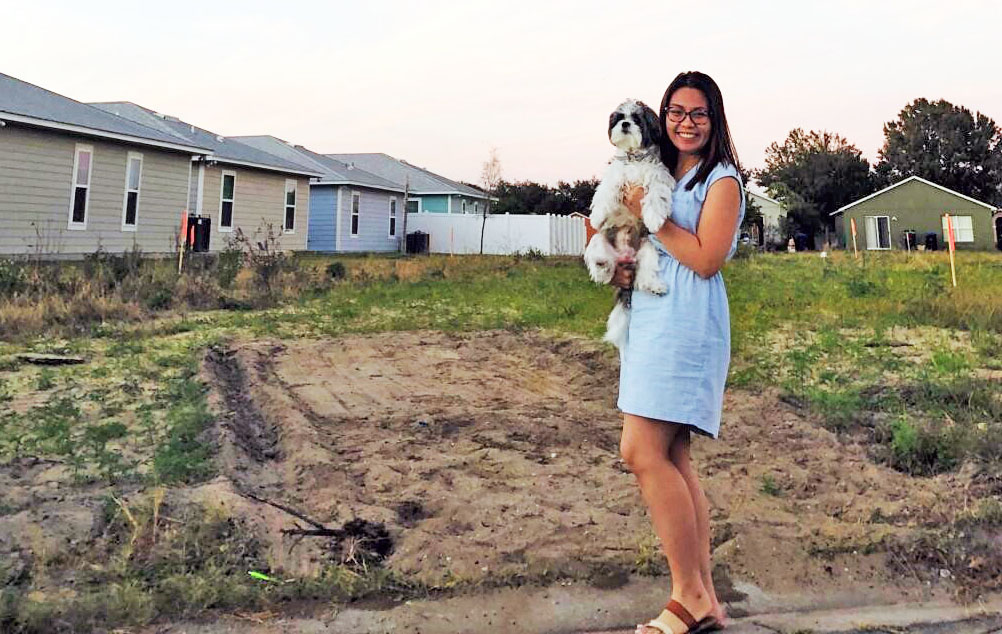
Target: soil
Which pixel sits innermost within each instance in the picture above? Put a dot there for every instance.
(493, 458)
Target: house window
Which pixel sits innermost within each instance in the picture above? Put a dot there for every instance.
(133, 177)
(226, 191)
(413, 205)
(80, 195)
(393, 217)
(963, 229)
(878, 232)
(464, 206)
(290, 205)
(356, 203)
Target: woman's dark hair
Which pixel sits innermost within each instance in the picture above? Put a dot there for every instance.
(719, 148)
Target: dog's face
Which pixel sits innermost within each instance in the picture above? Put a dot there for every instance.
(633, 126)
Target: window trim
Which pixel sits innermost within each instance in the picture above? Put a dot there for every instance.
(78, 149)
(125, 200)
(355, 214)
(464, 206)
(420, 205)
(956, 229)
(233, 201)
(877, 237)
(393, 206)
(285, 205)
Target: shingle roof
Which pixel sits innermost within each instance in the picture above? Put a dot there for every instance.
(334, 171)
(223, 149)
(908, 180)
(419, 180)
(28, 103)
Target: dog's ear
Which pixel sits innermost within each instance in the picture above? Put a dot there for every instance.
(614, 118)
(652, 127)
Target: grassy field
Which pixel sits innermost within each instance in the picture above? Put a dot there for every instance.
(882, 349)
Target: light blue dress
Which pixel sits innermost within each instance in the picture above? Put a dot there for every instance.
(674, 363)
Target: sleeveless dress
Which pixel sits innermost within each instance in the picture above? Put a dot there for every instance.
(675, 360)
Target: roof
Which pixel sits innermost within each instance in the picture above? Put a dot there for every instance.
(26, 103)
(764, 197)
(418, 180)
(334, 171)
(902, 182)
(221, 149)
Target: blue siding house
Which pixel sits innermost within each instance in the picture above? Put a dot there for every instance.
(351, 209)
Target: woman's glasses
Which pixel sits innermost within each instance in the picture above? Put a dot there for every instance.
(698, 116)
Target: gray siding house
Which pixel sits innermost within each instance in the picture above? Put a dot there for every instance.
(235, 184)
(351, 210)
(74, 178)
(427, 192)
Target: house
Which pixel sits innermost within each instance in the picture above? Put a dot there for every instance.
(771, 231)
(235, 184)
(916, 205)
(74, 178)
(351, 210)
(427, 192)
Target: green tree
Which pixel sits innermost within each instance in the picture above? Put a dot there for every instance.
(813, 174)
(945, 144)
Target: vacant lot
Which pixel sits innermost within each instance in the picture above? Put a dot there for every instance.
(442, 425)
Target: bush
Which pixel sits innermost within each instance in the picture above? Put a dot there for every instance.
(336, 271)
(13, 278)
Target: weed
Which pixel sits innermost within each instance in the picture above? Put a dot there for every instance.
(46, 379)
(769, 486)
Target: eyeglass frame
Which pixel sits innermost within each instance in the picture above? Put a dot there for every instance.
(688, 113)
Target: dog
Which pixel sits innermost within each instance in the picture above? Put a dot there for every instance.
(621, 237)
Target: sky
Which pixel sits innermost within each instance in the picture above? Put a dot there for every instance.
(442, 84)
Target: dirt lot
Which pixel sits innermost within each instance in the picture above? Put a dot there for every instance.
(493, 457)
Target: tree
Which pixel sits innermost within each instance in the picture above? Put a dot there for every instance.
(947, 145)
(490, 178)
(813, 174)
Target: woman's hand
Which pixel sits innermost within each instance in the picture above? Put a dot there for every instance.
(633, 198)
(625, 270)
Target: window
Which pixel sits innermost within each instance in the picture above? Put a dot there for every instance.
(413, 205)
(133, 177)
(226, 191)
(878, 232)
(464, 205)
(963, 229)
(393, 217)
(80, 194)
(290, 205)
(356, 202)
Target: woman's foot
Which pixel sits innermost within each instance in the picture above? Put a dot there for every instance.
(677, 618)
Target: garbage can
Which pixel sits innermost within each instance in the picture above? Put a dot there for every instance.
(417, 242)
(909, 239)
(199, 228)
(931, 241)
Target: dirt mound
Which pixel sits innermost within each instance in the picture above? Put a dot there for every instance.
(494, 456)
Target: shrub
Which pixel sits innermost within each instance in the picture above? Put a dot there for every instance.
(336, 271)
(13, 278)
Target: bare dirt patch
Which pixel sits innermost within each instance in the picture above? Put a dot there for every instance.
(493, 457)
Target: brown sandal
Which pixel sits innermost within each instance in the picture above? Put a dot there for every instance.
(706, 624)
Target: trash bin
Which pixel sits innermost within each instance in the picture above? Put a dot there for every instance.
(909, 239)
(931, 241)
(417, 242)
(199, 232)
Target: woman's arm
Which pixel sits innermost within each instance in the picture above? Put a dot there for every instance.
(706, 250)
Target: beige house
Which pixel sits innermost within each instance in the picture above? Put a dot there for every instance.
(75, 178)
(773, 212)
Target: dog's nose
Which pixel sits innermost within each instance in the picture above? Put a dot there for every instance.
(626, 125)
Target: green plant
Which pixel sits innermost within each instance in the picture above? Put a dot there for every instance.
(769, 486)
(230, 261)
(336, 271)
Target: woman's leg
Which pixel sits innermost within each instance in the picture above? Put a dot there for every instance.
(645, 447)
(680, 456)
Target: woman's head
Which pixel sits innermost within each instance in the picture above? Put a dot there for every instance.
(692, 116)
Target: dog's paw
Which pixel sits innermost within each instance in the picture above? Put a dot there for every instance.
(654, 286)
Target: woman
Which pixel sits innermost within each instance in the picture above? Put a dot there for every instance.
(675, 361)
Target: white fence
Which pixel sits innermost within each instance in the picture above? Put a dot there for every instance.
(504, 234)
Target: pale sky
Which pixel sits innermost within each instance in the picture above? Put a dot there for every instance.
(441, 83)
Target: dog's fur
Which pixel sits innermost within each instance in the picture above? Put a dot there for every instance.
(622, 237)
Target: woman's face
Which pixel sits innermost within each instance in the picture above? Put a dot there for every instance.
(690, 137)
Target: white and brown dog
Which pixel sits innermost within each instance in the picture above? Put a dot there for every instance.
(622, 237)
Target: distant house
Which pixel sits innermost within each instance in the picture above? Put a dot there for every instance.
(770, 231)
(916, 205)
(74, 177)
(235, 184)
(351, 210)
(427, 192)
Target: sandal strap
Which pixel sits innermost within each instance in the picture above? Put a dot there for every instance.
(659, 625)
(683, 615)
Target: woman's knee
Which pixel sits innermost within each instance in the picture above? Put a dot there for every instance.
(640, 456)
